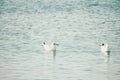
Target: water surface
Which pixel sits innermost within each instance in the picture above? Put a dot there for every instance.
(78, 26)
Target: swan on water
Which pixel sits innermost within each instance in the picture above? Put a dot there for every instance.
(50, 47)
(105, 50)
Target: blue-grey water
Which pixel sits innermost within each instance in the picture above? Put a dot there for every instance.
(78, 26)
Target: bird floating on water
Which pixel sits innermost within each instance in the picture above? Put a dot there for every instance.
(105, 50)
(50, 48)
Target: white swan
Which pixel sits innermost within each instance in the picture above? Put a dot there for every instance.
(50, 47)
(105, 50)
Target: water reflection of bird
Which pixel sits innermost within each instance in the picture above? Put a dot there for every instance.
(105, 50)
(50, 48)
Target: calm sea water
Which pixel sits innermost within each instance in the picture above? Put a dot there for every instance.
(78, 26)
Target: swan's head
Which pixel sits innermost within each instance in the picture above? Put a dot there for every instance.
(55, 44)
(102, 44)
(44, 43)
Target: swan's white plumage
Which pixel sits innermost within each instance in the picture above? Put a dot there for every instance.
(50, 47)
(105, 50)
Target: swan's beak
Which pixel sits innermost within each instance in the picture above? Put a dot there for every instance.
(57, 44)
(102, 44)
(44, 43)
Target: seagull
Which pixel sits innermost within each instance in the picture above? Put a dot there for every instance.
(50, 48)
(105, 50)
